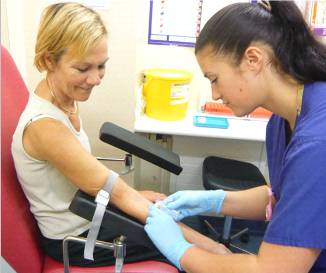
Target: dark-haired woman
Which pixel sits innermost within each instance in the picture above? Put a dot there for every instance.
(263, 55)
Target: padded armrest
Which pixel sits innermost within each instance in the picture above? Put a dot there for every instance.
(84, 206)
(140, 146)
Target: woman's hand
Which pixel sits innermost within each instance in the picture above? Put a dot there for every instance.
(152, 195)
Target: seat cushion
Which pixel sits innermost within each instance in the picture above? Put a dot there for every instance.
(52, 266)
(230, 174)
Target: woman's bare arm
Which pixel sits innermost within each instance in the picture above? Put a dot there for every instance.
(247, 204)
(50, 140)
(270, 259)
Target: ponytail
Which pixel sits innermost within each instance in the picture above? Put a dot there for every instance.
(299, 53)
(278, 24)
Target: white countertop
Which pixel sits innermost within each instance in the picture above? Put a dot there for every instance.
(239, 128)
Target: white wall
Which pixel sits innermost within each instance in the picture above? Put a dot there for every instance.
(114, 100)
(4, 24)
(130, 55)
(149, 56)
(12, 32)
(192, 150)
(129, 52)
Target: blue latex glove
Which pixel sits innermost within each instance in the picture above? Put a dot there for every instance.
(166, 235)
(189, 203)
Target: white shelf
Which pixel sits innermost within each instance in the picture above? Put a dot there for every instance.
(242, 129)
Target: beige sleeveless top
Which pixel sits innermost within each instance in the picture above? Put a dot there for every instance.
(47, 190)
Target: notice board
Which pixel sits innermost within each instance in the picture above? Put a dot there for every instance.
(179, 22)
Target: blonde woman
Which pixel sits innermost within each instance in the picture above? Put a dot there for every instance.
(51, 151)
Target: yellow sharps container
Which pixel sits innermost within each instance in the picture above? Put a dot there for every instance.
(166, 93)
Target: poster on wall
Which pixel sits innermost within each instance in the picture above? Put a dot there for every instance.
(174, 22)
(318, 17)
(314, 11)
(179, 22)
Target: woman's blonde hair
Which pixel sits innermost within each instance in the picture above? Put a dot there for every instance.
(67, 25)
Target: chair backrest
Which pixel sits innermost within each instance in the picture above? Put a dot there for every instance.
(19, 232)
(229, 174)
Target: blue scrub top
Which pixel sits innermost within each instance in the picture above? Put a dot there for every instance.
(297, 171)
